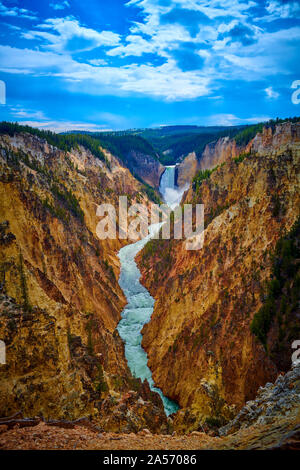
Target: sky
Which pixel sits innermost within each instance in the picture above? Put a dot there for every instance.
(119, 64)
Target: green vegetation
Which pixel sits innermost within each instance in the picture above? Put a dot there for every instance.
(179, 141)
(217, 408)
(69, 200)
(283, 288)
(241, 157)
(200, 176)
(109, 269)
(160, 248)
(276, 205)
(89, 329)
(244, 137)
(151, 193)
(24, 289)
(215, 212)
(100, 382)
(57, 211)
(63, 142)
(122, 145)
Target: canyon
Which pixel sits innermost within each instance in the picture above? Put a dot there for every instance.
(63, 298)
(201, 350)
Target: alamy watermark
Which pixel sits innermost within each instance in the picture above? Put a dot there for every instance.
(296, 94)
(2, 352)
(2, 92)
(134, 222)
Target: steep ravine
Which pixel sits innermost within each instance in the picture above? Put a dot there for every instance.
(200, 346)
(60, 301)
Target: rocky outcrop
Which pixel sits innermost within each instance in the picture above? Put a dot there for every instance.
(187, 169)
(271, 421)
(201, 349)
(273, 402)
(269, 141)
(145, 167)
(274, 142)
(60, 299)
(218, 152)
(214, 154)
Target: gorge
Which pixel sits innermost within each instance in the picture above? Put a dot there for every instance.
(140, 303)
(184, 348)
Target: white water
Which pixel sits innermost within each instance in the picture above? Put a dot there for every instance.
(140, 304)
(171, 194)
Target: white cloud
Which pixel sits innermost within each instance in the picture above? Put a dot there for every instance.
(278, 10)
(224, 59)
(19, 112)
(272, 94)
(217, 8)
(60, 6)
(232, 120)
(212, 8)
(98, 62)
(17, 12)
(67, 35)
(36, 118)
(64, 126)
(274, 53)
(166, 81)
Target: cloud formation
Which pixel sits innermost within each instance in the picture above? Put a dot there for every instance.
(16, 12)
(167, 51)
(60, 6)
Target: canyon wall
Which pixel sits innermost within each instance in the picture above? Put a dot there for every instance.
(145, 167)
(215, 153)
(60, 301)
(224, 149)
(201, 349)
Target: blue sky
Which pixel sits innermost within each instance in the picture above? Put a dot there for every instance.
(113, 64)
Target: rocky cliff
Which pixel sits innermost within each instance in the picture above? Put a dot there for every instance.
(60, 299)
(200, 341)
(215, 153)
(146, 167)
(187, 169)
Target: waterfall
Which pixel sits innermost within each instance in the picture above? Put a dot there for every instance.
(170, 192)
(167, 179)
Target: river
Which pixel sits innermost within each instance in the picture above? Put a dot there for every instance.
(140, 303)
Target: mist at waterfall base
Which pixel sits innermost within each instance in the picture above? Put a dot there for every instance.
(171, 194)
(140, 303)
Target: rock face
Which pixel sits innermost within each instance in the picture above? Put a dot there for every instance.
(146, 167)
(224, 149)
(218, 152)
(271, 421)
(201, 350)
(272, 402)
(187, 169)
(60, 300)
(274, 143)
(214, 154)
